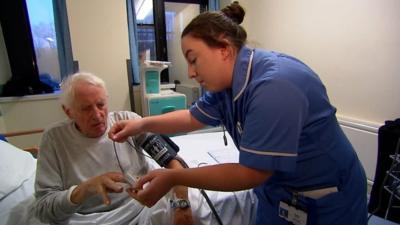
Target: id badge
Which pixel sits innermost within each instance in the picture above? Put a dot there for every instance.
(292, 214)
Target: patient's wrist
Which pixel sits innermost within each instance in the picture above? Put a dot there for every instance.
(174, 164)
(181, 192)
(72, 195)
(78, 194)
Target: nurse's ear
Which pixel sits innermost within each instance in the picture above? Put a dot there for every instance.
(228, 51)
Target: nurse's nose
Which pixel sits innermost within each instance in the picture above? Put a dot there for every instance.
(191, 72)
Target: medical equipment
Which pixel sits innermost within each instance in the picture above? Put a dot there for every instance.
(155, 100)
(129, 176)
(161, 148)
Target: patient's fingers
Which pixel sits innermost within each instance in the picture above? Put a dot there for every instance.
(116, 176)
(102, 191)
(112, 181)
(112, 186)
(108, 183)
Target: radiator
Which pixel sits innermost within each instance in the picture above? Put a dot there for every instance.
(364, 138)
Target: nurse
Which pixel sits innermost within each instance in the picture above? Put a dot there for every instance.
(293, 152)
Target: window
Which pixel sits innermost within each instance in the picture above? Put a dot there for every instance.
(146, 33)
(37, 42)
(41, 18)
(155, 28)
(151, 32)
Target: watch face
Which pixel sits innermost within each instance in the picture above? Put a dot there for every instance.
(183, 203)
(180, 203)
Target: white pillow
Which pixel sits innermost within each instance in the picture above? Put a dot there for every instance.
(16, 166)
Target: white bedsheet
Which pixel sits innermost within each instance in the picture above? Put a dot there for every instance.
(198, 149)
(209, 149)
(15, 208)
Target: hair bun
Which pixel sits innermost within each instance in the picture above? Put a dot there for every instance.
(235, 12)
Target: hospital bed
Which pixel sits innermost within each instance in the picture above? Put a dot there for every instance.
(17, 172)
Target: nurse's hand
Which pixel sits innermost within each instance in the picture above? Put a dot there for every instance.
(123, 129)
(152, 187)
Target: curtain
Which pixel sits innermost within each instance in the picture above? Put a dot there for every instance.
(64, 47)
(133, 37)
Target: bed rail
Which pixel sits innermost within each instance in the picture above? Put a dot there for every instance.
(34, 149)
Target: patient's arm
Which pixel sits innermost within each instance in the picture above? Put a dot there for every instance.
(181, 216)
(51, 202)
(53, 195)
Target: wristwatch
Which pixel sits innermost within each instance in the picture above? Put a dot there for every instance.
(179, 203)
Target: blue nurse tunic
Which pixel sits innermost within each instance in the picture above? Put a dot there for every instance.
(280, 118)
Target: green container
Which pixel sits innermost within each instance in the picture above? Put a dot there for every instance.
(164, 104)
(152, 79)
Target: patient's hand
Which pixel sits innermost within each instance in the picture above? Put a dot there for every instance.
(103, 184)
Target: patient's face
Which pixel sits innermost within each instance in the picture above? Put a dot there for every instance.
(89, 110)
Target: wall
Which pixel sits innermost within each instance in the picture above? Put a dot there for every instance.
(99, 35)
(353, 45)
(30, 112)
(365, 141)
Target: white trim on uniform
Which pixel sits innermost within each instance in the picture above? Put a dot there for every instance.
(268, 153)
(247, 77)
(206, 114)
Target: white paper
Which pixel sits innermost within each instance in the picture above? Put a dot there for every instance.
(225, 155)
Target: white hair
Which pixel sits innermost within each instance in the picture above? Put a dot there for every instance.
(69, 83)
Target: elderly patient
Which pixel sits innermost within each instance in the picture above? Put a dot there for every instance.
(79, 179)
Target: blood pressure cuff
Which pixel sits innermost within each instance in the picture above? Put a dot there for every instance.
(160, 147)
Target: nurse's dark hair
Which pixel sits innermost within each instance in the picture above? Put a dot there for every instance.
(213, 27)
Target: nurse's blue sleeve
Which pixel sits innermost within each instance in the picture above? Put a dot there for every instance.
(275, 115)
(206, 109)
